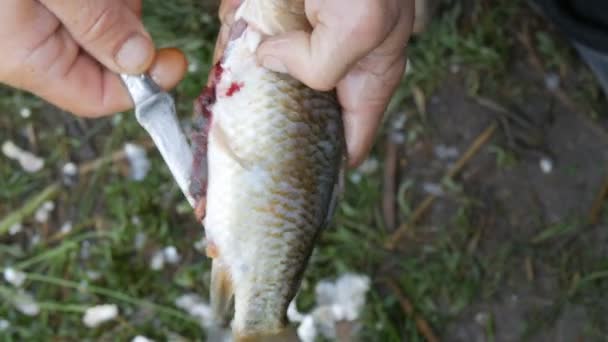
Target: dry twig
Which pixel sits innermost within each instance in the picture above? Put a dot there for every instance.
(52, 190)
(423, 327)
(114, 157)
(419, 212)
(563, 97)
(559, 93)
(596, 208)
(390, 184)
(30, 206)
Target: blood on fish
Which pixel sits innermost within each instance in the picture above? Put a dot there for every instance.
(234, 88)
(202, 106)
(218, 70)
(206, 100)
(208, 96)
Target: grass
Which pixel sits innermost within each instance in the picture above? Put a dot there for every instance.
(445, 273)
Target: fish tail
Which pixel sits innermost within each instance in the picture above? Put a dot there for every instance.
(221, 293)
(288, 334)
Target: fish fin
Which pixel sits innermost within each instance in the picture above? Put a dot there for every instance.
(224, 144)
(331, 209)
(335, 195)
(221, 293)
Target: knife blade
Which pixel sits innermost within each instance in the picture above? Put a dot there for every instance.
(155, 112)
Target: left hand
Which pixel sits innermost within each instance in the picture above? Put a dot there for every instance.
(69, 52)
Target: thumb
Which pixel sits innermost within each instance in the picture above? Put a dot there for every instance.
(321, 58)
(109, 31)
(313, 58)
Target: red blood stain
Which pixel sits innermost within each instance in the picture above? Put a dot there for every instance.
(234, 88)
(217, 72)
(202, 106)
(205, 101)
(208, 96)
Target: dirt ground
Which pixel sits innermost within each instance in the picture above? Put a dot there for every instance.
(531, 293)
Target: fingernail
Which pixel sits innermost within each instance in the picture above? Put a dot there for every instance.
(274, 64)
(134, 53)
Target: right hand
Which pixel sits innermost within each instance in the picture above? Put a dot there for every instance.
(69, 52)
(356, 47)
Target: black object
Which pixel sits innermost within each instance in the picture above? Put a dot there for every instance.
(583, 21)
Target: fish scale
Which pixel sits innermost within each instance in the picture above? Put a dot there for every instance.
(273, 153)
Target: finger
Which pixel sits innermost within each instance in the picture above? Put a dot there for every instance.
(135, 6)
(323, 57)
(109, 31)
(367, 89)
(110, 95)
(99, 91)
(364, 95)
(169, 68)
(61, 73)
(24, 26)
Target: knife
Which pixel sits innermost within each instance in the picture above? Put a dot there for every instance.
(155, 112)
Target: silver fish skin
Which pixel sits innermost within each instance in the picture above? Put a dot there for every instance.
(274, 151)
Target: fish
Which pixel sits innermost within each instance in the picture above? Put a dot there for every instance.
(269, 155)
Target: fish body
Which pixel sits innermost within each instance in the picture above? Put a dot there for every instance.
(274, 151)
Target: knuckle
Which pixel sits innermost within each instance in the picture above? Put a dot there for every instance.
(100, 23)
(321, 82)
(323, 73)
(371, 20)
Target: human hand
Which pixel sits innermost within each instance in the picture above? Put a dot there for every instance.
(68, 52)
(356, 46)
